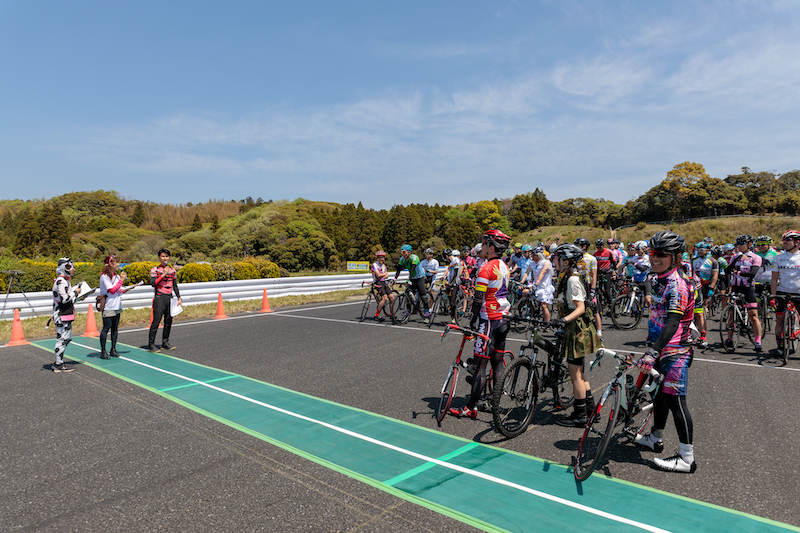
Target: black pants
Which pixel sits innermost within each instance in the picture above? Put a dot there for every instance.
(110, 323)
(161, 307)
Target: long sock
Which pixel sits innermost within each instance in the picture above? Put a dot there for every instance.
(758, 339)
(687, 452)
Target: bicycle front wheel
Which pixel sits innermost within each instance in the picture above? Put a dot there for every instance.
(626, 312)
(789, 325)
(729, 332)
(365, 309)
(514, 400)
(448, 390)
(597, 435)
(400, 312)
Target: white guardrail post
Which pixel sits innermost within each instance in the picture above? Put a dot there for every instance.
(199, 293)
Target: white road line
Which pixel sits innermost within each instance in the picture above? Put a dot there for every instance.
(410, 453)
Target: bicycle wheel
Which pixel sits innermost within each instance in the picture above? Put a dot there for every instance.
(514, 400)
(463, 313)
(436, 308)
(365, 309)
(562, 388)
(400, 312)
(597, 435)
(626, 312)
(745, 324)
(764, 315)
(729, 314)
(525, 311)
(789, 325)
(448, 390)
(714, 304)
(642, 414)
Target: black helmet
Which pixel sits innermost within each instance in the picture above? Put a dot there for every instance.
(668, 241)
(447, 251)
(716, 251)
(600, 242)
(763, 239)
(497, 238)
(744, 238)
(465, 250)
(569, 252)
(582, 241)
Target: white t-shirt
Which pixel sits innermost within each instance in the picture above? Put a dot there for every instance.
(575, 291)
(113, 300)
(431, 267)
(787, 264)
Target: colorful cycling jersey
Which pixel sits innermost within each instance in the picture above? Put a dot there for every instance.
(705, 268)
(605, 259)
(523, 263)
(744, 263)
(641, 261)
(586, 266)
(765, 273)
(430, 267)
(787, 265)
(379, 271)
(493, 281)
(455, 270)
(673, 292)
(723, 264)
(412, 264)
(515, 259)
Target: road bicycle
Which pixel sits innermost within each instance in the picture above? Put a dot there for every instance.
(449, 387)
(374, 295)
(625, 402)
(527, 309)
(765, 312)
(406, 304)
(734, 322)
(627, 308)
(714, 304)
(791, 328)
(441, 305)
(516, 396)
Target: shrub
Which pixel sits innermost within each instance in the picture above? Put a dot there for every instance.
(266, 269)
(196, 272)
(139, 271)
(223, 271)
(244, 270)
(641, 225)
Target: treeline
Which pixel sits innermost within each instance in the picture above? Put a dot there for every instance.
(304, 234)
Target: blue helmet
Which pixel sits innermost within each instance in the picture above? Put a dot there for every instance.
(406, 247)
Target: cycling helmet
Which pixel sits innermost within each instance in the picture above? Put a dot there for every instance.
(704, 245)
(727, 248)
(668, 241)
(478, 248)
(527, 247)
(640, 245)
(582, 241)
(447, 251)
(65, 267)
(716, 251)
(600, 242)
(497, 238)
(744, 238)
(539, 249)
(553, 248)
(428, 251)
(380, 253)
(518, 245)
(791, 234)
(465, 250)
(456, 253)
(611, 241)
(763, 239)
(406, 248)
(709, 240)
(569, 252)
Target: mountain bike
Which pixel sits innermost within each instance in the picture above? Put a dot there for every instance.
(528, 308)
(406, 304)
(627, 308)
(515, 398)
(625, 402)
(374, 295)
(449, 387)
(734, 322)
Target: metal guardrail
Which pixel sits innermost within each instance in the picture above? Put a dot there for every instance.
(199, 293)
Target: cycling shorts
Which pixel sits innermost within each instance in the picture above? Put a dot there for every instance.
(383, 288)
(749, 294)
(674, 366)
(496, 330)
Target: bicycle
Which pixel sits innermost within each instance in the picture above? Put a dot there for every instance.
(406, 304)
(734, 322)
(514, 400)
(375, 295)
(449, 387)
(765, 311)
(791, 324)
(628, 308)
(714, 304)
(441, 305)
(623, 402)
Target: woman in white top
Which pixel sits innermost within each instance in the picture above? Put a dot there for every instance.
(111, 287)
(539, 275)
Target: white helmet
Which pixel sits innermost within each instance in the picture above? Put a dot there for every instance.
(456, 253)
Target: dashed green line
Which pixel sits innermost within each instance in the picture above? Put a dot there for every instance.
(193, 384)
(422, 468)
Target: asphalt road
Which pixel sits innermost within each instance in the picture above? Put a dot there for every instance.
(87, 451)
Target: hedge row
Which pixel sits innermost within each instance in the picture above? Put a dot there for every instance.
(38, 275)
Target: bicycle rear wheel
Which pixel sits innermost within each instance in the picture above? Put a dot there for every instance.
(789, 326)
(448, 390)
(365, 309)
(732, 333)
(562, 388)
(436, 308)
(514, 400)
(597, 435)
(463, 312)
(626, 312)
(400, 311)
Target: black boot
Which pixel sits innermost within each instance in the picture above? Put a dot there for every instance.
(590, 405)
(578, 417)
(114, 353)
(103, 355)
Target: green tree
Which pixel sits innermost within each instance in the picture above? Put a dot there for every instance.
(196, 224)
(28, 235)
(138, 215)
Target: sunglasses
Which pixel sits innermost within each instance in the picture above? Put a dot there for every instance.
(659, 253)
(789, 238)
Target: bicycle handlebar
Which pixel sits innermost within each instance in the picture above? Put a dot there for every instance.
(657, 376)
(464, 331)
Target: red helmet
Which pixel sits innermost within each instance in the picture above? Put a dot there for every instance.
(380, 253)
(497, 238)
(791, 234)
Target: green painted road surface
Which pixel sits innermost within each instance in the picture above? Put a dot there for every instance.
(484, 486)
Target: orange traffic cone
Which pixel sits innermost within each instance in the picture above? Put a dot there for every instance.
(91, 325)
(151, 315)
(17, 335)
(220, 308)
(265, 303)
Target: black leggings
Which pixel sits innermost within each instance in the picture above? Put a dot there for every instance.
(497, 331)
(419, 285)
(663, 404)
(109, 323)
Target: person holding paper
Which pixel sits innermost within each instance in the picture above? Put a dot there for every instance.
(63, 310)
(163, 278)
(111, 287)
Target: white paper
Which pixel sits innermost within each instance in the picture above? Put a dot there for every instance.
(85, 291)
(174, 308)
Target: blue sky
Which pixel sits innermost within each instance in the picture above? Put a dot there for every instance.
(391, 102)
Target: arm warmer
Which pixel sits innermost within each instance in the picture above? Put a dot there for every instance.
(671, 327)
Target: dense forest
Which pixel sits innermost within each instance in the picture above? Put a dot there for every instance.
(304, 234)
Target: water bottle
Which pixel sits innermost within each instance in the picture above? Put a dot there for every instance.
(630, 387)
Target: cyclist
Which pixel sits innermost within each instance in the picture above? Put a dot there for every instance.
(580, 335)
(456, 270)
(520, 264)
(785, 282)
(671, 354)
(380, 276)
(587, 267)
(640, 264)
(605, 271)
(416, 275)
(706, 275)
(741, 271)
(764, 250)
(539, 270)
(489, 312)
(431, 267)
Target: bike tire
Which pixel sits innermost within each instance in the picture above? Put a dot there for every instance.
(789, 326)
(642, 414)
(729, 312)
(448, 391)
(563, 395)
(597, 435)
(463, 314)
(365, 309)
(400, 314)
(436, 307)
(514, 400)
(525, 311)
(745, 324)
(626, 313)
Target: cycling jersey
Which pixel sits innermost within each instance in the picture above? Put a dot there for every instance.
(787, 265)
(745, 263)
(412, 264)
(523, 262)
(493, 280)
(765, 272)
(430, 267)
(605, 259)
(586, 266)
(455, 271)
(673, 292)
(705, 268)
(379, 271)
(641, 261)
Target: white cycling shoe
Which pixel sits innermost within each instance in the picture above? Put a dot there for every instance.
(647, 441)
(675, 464)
